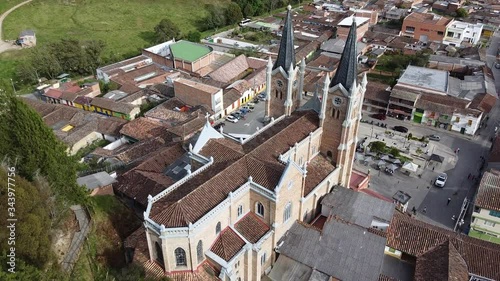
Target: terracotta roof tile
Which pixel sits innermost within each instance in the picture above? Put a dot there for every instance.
(251, 227)
(233, 164)
(443, 262)
(428, 18)
(488, 195)
(227, 244)
(416, 238)
(484, 102)
(377, 91)
(230, 70)
(53, 93)
(256, 63)
(120, 107)
(317, 170)
(141, 128)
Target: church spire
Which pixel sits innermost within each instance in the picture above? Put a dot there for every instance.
(286, 53)
(347, 70)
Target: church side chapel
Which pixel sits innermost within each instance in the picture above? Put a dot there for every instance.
(224, 218)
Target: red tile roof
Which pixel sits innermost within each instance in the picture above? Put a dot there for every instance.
(141, 128)
(231, 70)
(443, 262)
(317, 170)
(227, 244)
(233, 165)
(488, 195)
(251, 227)
(377, 91)
(416, 238)
(53, 93)
(484, 102)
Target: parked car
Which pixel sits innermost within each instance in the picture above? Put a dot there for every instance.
(441, 180)
(434, 137)
(247, 108)
(250, 104)
(236, 115)
(379, 116)
(231, 119)
(244, 110)
(401, 129)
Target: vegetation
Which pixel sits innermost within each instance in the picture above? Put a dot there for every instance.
(194, 36)
(396, 62)
(26, 140)
(166, 30)
(7, 4)
(233, 14)
(389, 80)
(462, 13)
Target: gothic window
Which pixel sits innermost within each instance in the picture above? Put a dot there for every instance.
(329, 153)
(333, 112)
(199, 251)
(217, 228)
(281, 95)
(180, 257)
(338, 114)
(240, 210)
(260, 209)
(287, 213)
(276, 92)
(159, 253)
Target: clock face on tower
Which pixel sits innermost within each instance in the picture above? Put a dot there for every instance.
(279, 84)
(337, 101)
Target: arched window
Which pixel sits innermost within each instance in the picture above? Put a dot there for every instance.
(329, 153)
(338, 114)
(217, 228)
(333, 112)
(159, 253)
(263, 258)
(260, 209)
(276, 92)
(199, 251)
(180, 257)
(287, 213)
(240, 210)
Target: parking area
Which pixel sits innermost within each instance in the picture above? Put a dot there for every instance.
(460, 158)
(248, 124)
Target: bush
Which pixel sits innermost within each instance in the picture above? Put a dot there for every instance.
(394, 152)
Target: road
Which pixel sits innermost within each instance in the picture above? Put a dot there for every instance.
(5, 46)
(491, 54)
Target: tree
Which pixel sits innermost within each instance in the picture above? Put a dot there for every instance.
(93, 50)
(248, 10)
(394, 152)
(377, 146)
(462, 13)
(26, 139)
(166, 30)
(194, 36)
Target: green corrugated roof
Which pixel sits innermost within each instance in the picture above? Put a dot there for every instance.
(189, 51)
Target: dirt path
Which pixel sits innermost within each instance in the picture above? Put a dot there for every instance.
(5, 46)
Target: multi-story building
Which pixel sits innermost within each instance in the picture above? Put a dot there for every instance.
(463, 33)
(425, 27)
(195, 93)
(486, 216)
(376, 98)
(344, 26)
(237, 197)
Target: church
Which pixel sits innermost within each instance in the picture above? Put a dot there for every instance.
(224, 218)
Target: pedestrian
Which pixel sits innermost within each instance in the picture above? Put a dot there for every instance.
(449, 200)
(453, 218)
(458, 150)
(424, 210)
(468, 177)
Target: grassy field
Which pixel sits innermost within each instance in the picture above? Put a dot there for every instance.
(125, 25)
(7, 4)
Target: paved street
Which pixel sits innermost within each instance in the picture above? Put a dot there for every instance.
(249, 125)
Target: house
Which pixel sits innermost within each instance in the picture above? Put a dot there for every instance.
(460, 34)
(77, 128)
(27, 38)
(236, 198)
(109, 107)
(344, 26)
(106, 72)
(396, 13)
(425, 27)
(486, 216)
(140, 129)
(453, 64)
(376, 99)
(196, 93)
(98, 184)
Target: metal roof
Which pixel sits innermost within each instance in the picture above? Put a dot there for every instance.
(96, 180)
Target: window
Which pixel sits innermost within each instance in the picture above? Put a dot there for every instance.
(457, 119)
(180, 257)
(287, 213)
(240, 210)
(469, 123)
(410, 29)
(440, 33)
(495, 214)
(159, 253)
(489, 223)
(333, 112)
(263, 258)
(313, 149)
(260, 209)
(301, 160)
(290, 183)
(217, 228)
(199, 251)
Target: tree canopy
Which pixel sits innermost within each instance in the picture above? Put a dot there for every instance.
(233, 13)
(194, 36)
(26, 140)
(462, 13)
(166, 30)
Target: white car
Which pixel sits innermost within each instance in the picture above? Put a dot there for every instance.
(441, 180)
(250, 104)
(231, 119)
